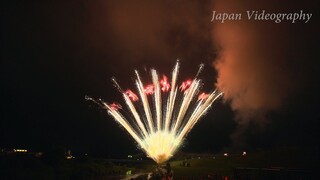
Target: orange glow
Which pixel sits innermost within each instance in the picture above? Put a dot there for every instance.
(165, 86)
(131, 95)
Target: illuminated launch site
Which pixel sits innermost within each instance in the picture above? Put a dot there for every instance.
(161, 113)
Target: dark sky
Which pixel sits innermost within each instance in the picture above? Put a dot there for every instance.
(54, 53)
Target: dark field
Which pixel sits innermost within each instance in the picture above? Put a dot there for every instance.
(284, 163)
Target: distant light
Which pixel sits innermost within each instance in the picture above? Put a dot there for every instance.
(69, 157)
(129, 156)
(225, 154)
(20, 150)
(198, 157)
(244, 153)
(128, 172)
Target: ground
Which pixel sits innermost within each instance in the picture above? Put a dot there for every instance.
(278, 163)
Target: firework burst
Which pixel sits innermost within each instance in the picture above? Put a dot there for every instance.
(162, 113)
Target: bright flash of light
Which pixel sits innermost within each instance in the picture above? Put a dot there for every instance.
(162, 121)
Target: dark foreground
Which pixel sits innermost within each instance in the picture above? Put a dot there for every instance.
(284, 163)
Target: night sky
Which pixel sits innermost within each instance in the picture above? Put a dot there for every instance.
(54, 53)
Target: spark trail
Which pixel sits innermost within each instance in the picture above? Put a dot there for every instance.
(161, 127)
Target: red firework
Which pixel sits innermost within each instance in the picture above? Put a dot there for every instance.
(165, 85)
(149, 89)
(203, 96)
(115, 106)
(185, 85)
(131, 95)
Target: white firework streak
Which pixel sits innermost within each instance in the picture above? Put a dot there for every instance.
(145, 102)
(157, 97)
(161, 139)
(172, 97)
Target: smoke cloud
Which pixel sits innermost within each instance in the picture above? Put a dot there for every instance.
(255, 69)
(151, 31)
(251, 71)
